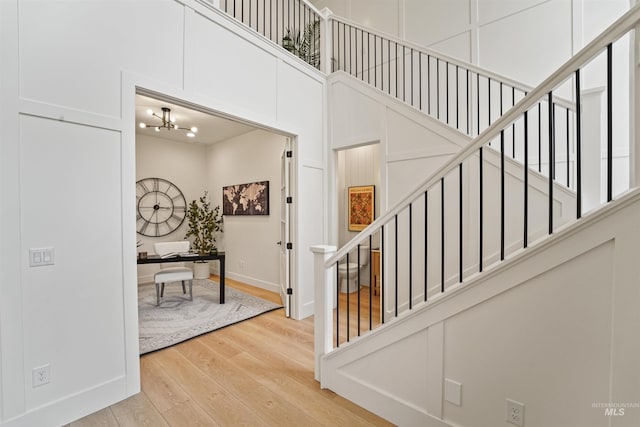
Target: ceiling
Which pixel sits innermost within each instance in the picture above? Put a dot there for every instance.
(211, 129)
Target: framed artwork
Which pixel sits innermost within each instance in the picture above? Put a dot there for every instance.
(246, 199)
(361, 202)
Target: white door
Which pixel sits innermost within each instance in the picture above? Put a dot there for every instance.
(285, 243)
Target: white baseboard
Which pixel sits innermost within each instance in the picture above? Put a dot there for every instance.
(262, 284)
(73, 407)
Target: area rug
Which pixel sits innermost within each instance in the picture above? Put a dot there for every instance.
(177, 319)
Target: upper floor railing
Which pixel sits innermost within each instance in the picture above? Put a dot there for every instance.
(439, 235)
(293, 24)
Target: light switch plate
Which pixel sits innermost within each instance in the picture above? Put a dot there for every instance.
(41, 256)
(453, 392)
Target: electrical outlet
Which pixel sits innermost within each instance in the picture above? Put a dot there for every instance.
(515, 413)
(41, 375)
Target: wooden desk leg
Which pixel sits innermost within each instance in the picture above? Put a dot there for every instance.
(221, 280)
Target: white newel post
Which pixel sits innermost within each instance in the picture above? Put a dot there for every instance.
(326, 41)
(323, 303)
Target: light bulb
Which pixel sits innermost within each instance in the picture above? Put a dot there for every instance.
(194, 129)
(142, 125)
(191, 134)
(157, 129)
(175, 126)
(172, 119)
(150, 112)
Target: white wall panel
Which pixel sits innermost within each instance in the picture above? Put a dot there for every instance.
(522, 57)
(72, 53)
(299, 105)
(354, 119)
(525, 331)
(311, 230)
(491, 10)
(71, 201)
(458, 46)
(407, 136)
(424, 24)
(223, 66)
(380, 14)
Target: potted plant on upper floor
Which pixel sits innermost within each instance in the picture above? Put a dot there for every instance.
(203, 222)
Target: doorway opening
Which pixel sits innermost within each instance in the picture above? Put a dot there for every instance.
(222, 152)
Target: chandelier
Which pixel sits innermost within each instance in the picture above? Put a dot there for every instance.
(168, 122)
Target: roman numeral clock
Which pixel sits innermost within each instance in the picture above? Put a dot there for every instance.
(160, 207)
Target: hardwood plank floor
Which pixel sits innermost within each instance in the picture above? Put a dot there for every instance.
(255, 373)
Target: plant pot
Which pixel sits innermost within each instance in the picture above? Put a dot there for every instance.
(201, 270)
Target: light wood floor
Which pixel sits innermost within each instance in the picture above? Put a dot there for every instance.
(255, 373)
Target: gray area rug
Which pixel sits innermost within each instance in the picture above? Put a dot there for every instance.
(178, 319)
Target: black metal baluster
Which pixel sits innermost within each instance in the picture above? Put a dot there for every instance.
(429, 84)
(350, 52)
(489, 102)
(609, 122)
(420, 80)
(336, 44)
(478, 101)
(502, 195)
(468, 113)
(410, 256)
(480, 210)
(446, 69)
(578, 148)
(567, 114)
(426, 240)
(526, 180)
(457, 103)
(362, 52)
(250, 13)
(358, 282)
(438, 88)
(396, 59)
(513, 125)
(375, 61)
(337, 304)
(389, 67)
(411, 71)
(371, 285)
(348, 302)
(396, 260)
(382, 281)
(539, 136)
(404, 73)
(551, 160)
(368, 57)
(442, 234)
(460, 222)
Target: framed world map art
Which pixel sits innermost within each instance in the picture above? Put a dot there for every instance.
(361, 206)
(246, 199)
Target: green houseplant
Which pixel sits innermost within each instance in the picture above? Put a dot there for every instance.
(305, 46)
(204, 223)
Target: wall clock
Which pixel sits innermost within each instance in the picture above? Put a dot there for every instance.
(160, 207)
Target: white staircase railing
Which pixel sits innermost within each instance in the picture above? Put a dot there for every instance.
(426, 230)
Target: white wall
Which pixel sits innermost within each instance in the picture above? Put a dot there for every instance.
(67, 89)
(252, 255)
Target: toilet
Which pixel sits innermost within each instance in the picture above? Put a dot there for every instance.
(349, 284)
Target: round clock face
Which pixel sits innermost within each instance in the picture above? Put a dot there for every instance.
(160, 207)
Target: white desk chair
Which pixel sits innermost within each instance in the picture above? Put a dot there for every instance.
(172, 272)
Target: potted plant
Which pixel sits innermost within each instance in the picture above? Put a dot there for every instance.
(305, 46)
(203, 223)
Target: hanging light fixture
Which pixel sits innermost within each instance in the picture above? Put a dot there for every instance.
(168, 123)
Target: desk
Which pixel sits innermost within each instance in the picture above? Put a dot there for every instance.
(155, 259)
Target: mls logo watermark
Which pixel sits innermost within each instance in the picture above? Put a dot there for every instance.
(615, 409)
